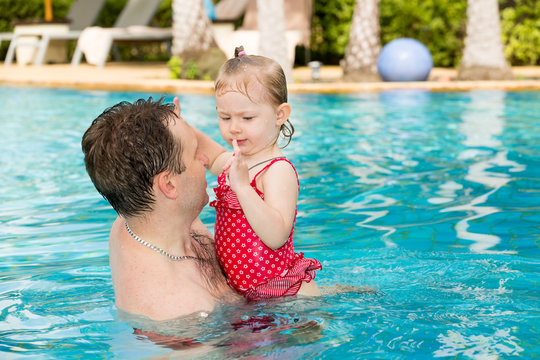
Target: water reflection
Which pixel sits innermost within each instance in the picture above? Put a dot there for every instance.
(368, 207)
(231, 332)
(367, 169)
(482, 124)
(447, 193)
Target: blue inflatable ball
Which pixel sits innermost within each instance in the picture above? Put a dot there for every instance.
(404, 59)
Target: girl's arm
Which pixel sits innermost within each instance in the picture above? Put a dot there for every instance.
(216, 154)
(199, 228)
(272, 218)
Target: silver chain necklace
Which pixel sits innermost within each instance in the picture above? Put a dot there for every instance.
(159, 250)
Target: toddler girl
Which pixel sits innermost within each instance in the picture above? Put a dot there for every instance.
(258, 187)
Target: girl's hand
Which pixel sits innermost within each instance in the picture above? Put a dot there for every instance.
(176, 103)
(236, 169)
(177, 108)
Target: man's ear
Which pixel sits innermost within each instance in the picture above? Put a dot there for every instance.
(166, 184)
(283, 113)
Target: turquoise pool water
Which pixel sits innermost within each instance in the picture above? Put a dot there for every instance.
(431, 198)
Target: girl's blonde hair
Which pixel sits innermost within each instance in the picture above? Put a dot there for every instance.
(266, 72)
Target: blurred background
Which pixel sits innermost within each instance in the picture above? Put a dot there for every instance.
(439, 24)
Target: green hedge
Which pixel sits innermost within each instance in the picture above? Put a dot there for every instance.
(439, 24)
(521, 31)
(331, 24)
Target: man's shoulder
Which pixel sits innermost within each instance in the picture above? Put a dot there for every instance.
(116, 228)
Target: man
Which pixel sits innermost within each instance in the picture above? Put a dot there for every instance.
(145, 160)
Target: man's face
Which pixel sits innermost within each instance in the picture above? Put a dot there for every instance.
(193, 178)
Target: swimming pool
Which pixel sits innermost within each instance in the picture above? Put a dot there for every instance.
(431, 198)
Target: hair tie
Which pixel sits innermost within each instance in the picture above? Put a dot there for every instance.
(241, 53)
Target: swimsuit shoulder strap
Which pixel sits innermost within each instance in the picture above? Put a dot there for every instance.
(270, 164)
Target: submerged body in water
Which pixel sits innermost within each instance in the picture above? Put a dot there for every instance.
(248, 329)
(242, 329)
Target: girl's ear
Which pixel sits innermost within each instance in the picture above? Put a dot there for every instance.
(166, 184)
(283, 113)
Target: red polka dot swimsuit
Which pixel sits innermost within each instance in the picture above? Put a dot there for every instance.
(253, 269)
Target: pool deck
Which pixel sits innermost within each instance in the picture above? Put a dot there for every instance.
(154, 77)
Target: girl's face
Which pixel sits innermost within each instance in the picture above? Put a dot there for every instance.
(254, 124)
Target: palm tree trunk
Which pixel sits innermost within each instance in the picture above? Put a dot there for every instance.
(483, 56)
(195, 52)
(272, 37)
(192, 30)
(360, 62)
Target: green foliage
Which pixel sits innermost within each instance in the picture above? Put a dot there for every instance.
(192, 70)
(438, 24)
(164, 14)
(331, 24)
(109, 13)
(197, 66)
(520, 25)
(179, 70)
(175, 67)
